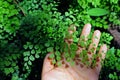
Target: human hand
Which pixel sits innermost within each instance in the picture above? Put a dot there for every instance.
(79, 71)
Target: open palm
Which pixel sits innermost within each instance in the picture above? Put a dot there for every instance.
(79, 71)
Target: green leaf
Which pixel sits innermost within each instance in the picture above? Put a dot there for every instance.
(25, 46)
(47, 44)
(38, 51)
(11, 70)
(111, 75)
(25, 64)
(97, 12)
(73, 47)
(28, 43)
(7, 63)
(37, 56)
(82, 43)
(6, 71)
(29, 62)
(30, 46)
(13, 64)
(33, 51)
(25, 58)
(26, 53)
(66, 55)
(52, 55)
(57, 53)
(59, 63)
(32, 58)
(58, 58)
(27, 67)
(53, 61)
(67, 14)
(50, 49)
(36, 47)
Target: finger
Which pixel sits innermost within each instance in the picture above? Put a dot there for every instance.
(85, 33)
(83, 38)
(69, 37)
(101, 57)
(47, 65)
(94, 44)
(71, 29)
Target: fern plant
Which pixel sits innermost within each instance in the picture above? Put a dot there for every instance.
(9, 21)
(111, 65)
(9, 24)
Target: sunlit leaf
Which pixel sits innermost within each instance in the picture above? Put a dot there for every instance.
(32, 58)
(97, 12)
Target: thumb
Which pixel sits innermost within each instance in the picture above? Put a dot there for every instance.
(47, 66)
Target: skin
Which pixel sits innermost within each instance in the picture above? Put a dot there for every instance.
(79, 71)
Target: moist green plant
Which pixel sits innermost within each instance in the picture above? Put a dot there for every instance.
(9, 23)
(41, 28)
(87, 11)
(70, 48)
(41, 31)
(111, 65)
(105, 38)
(31, 53)
(28, 7)
(9, 58)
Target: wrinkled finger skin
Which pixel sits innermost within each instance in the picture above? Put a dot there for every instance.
(76, 72)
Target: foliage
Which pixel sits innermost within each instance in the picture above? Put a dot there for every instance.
(97, 12)
(8, 22)
(105, 38)
(85, 12)
(111, 65)
(69, 50)
(9, 57)
(40, 31)
(39, 27)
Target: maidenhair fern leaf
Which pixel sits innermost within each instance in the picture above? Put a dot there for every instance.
(59, 63)
(57, 53)
(32, 58)
(30, 46)
(37, 56)
(50, 49)
(73, 47)
(36, 47)
(58, 58)
(26, 53)
(25, 58)
(52, 56)
(33, 51)
(53, 61)
(29, 62)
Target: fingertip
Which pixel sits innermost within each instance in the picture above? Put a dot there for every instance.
(86, 30)
(97, 32)
(104, 48)
(88, 25)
